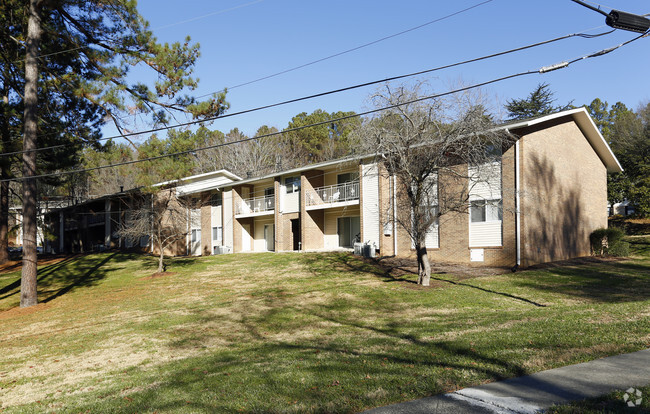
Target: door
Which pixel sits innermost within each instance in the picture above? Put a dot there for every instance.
(349, 230)
(195, 245)
(295, 232)
(245, 237)
(269, 237)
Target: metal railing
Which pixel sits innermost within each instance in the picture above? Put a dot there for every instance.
(255, 205)
(333, 194)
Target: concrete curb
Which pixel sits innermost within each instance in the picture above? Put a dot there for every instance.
(537, 392)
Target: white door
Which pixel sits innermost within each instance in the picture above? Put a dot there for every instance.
(269, 237)
(245, 237)
(195, 240)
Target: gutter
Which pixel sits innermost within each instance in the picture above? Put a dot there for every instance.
(517, 208)
(394, 215)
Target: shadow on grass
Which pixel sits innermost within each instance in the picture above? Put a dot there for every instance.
(260, 372)
(610, 282)
(640, 245)
(57, 279)
(346, 263)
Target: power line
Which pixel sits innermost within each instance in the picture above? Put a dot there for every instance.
(155, 28)
(318, 95)
(176, 154)
(284, 71)
(352, 49)
(530, 72)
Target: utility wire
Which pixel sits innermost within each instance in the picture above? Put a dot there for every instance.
(352, 49)
(318, 95)
(291, 69)
(530, 72)
(357, 115)
(155, 28)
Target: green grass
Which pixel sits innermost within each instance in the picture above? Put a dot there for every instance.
(299, 332)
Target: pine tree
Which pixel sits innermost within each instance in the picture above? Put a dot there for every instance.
(78, 55)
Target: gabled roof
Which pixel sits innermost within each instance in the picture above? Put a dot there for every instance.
(586, 125)
(201, 182)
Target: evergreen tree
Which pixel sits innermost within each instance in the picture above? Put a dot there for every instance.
(539, 102)
(78, 55)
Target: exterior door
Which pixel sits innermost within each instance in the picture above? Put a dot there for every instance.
(245, 237)
(269, 237)
(195, 242)
(349, 230)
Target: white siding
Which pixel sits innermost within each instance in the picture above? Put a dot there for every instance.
(485, 184)
(485, 234)
(370, 186)
(431, 240)
(228, 224)
(292, 203)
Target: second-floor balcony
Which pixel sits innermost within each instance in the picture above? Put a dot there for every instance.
(333, 195)
(256, 206)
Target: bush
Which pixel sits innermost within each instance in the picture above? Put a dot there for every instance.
(620, 249)
(603, 241)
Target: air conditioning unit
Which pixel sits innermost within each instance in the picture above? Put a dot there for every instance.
(221, 250)
(358, 249)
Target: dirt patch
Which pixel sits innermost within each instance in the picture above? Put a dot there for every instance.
(15, 312)
(399, 268)
(13, 265)
(579, 261)
(160, 274)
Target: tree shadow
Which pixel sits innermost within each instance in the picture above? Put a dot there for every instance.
(57, 279)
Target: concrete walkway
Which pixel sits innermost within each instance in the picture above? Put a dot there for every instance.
(537, 392)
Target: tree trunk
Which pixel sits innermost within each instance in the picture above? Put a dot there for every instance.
(424, 267)
(160, 261)
(4, 185)
(28, 292)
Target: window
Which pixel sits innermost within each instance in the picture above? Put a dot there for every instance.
(217, 233)
(144, 241)
(347, 177)
(216, 200)
(485, 210)
(196, 235)
(292, 184)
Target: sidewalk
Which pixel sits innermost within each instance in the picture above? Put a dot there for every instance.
(536, 392)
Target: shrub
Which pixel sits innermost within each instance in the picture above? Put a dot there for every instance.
(620, 249)
(603, 241)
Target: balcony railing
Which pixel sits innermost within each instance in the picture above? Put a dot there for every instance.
(255, 205)
(333, 194)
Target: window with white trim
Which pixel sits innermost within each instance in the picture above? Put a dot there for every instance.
(217, 233)
(482, 211)
(292, 184)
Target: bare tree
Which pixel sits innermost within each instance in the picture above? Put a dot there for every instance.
(438, 150)
(159, 216)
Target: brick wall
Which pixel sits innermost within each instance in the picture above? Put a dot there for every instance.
(312, 222)
(564, 197)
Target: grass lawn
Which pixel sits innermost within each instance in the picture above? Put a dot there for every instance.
(300, 332)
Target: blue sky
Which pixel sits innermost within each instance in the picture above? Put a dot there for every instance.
(242, 40)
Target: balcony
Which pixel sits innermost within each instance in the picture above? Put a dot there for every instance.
(258, 206)
(338, 195)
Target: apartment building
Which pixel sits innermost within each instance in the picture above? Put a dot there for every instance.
(544, 197)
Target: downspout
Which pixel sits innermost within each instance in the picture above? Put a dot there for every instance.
(517, 207)
(394, 215)
(151, 226)
(188, 237)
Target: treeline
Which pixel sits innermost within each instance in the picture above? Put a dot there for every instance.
(242, 155)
